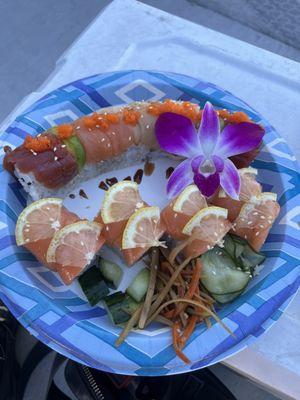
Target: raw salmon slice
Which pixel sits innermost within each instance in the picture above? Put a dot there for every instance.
(249, 188)
(38, 223)
(256, 219)
(74, 247)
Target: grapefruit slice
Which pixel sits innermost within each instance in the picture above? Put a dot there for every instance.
(143, 230)
(178, 212)
(37, 224)
(120, 202)
(256, 219)
(74, 247)
(249, 188)
(208, 227)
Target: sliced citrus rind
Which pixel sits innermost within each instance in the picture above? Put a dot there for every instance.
(120, 201)
(35, 206)
(248, 170)
(242, 171)
(189, 201)
(204, 213)
(76, 227)
(264, 196)
(135, 235)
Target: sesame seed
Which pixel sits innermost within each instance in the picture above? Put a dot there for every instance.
(249, 222)
(26, 230)
(97, 126)
(208, 247)
(55, 158)
(39, 135)
(109, 145)
(103, 140)
(82, 244)
(51, 219)
(261, 226)
(215, 233)
(155, 221)
(129, 138)
(257, 233)
(243, 219)
(255, 213)
(63, 146)
(245, 236)
(262, 217)
(141, 228)
(142, 116)
(54, 148)
(77, 127)
(107, 228)
(147, 126)
(27, 240)
(113, 133)
(89, 130)
(175, 215)
(47, 208)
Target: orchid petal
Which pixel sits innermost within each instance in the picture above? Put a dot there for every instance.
(230, 180)
(219, 163)
(181, 177)
(207, 185)
(209, 130)
(239, 138)
(176, 134)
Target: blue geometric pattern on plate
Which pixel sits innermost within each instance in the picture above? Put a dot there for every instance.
(57, 317)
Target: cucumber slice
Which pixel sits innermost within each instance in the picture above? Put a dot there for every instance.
(129, 305)
(252, 257)
(229, 245)
(111, 272)
(139, 286)
(93, 285)
(120, 307)
(226, 298)
(115, 298)
(220, 274)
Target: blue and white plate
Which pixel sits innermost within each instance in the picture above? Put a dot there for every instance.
(60, 317)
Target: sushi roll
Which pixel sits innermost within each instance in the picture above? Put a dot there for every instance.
(55, 162)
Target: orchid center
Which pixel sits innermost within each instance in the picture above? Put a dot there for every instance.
(207, 167)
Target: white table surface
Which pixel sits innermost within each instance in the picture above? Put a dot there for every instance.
(131, 35)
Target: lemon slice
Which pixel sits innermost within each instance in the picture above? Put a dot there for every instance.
(120, 201)
(264, 196)
(254, 185)
(213, 213)
(143, 229)
(189, 201)
(40, 220)
(248, 170)
(75, 244)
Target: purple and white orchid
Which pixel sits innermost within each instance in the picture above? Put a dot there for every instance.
(207, 151)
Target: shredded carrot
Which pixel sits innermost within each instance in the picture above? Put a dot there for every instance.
(192, 287)
(176, 338)
(130, 116)
(37, 144)
(64, 131)
(188, 330)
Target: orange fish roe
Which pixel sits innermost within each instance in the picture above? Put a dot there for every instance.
(90, 122)
(234, 118)
(37, 144)
(185, 108)
(64, 131)
(130, 116)
(112, 118)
